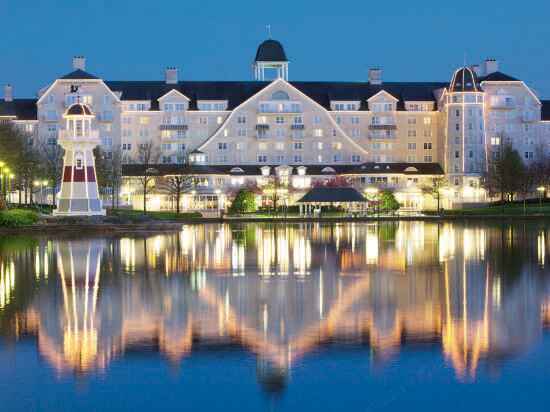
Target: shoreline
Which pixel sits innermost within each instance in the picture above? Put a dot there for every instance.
(170, 225)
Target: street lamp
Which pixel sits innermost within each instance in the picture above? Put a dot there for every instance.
(541, 190)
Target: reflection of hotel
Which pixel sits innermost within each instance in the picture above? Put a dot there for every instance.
(397, 135)
(289, 291)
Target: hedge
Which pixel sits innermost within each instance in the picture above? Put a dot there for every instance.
(18, 217)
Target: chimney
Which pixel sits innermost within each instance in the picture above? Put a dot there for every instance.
(8, 93)
(491, 66)
(476, 69)
(79, 63)
(375, 76)
(171, 75)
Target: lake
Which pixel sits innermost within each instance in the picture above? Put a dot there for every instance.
(278, 317)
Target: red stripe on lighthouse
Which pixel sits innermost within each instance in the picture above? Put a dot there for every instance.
(67, 174)
(78, 175)
(90, 174)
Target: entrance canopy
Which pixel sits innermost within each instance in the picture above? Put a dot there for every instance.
(332, 195)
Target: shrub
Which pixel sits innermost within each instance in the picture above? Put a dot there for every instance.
(17, 217)
(244, 202)
(388, 202)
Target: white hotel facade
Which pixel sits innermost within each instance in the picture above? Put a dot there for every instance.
(376, 134)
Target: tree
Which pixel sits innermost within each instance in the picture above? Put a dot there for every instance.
(503, 170)
(109, 173)
(178, 184)
(51, 157)
(148, 156)
(244, 202)
(527, 179)
(21, 156)
(387, 201)
(438, 184)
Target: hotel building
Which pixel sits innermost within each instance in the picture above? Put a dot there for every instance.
(375, 134)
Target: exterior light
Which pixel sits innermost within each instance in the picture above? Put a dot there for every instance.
(45, 182)
(36, 183)
(2, 163)
(541, 189)
(11, 176)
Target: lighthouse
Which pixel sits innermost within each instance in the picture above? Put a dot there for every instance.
(79, 195)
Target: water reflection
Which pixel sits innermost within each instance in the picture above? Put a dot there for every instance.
(479, 293)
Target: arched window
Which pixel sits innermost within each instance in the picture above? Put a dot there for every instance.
(280, 95)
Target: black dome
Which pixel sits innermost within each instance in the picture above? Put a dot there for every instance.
(79, 109)
(464, 80)
(271, 51)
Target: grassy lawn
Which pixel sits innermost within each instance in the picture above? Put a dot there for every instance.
(137, 215)
(510, 209)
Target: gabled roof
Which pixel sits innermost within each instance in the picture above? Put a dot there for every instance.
(79, 74)
(23, 109)
(498, 77)
(237, 92)
(332, 195)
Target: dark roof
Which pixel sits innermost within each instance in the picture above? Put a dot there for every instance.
(464, 80)
(332, 194)
(311, 170)
(23, 109)
(400, 168)
(79, 74)
(79, 109)
(271, 51)
(236, 92)
(498, 77)
(545, 110)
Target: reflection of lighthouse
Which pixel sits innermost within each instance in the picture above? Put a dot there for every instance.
(79, 269)
(79, 193)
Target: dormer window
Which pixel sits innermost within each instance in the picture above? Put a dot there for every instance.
(280, 95)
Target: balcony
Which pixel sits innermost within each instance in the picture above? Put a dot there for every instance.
(263, 127)
(183, 127)
(297, 127)
(89, 136)
(382, 127)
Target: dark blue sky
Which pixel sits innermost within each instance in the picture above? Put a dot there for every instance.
(216, 40)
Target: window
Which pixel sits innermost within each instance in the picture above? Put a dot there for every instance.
(166, 147)
(411, 133)
(79, 163)
(179, 107)
(168, 107)
(529, 155)
(457, 154)
(126, 146)
(241, 132)
(280, 120)
(355, 133)
(279, 146)
(337, 158)
(495, 141)
(219, 120)
(262, 158)
(355, 120)
(320, 145)
(144, 120)
(203, 120)
(337, 145)
(297, 158)
(262, 146)
(355, 158)
(317, 120)
(427, 146)
(457, 127)
(428, 158)
(318, 132)
(411, 146)
(411, 120)
(457, 113)
(298, 120)
(427, 120)
(222, 146)
(166, 159)
(298, 145)
(241, 119)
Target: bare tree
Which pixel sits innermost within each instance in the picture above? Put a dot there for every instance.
(438, 183)
(178, 184)
(51, 156)
(503, 169)
(148, 154)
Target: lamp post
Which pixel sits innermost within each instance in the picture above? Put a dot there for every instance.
(2, 165)
(40, 184)
(541, 190)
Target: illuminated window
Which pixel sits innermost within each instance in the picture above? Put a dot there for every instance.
(144, 120)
